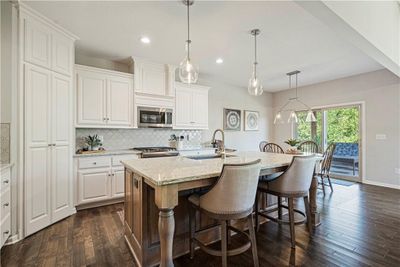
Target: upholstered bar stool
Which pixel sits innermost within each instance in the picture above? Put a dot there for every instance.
(232, 197)
(294, 183)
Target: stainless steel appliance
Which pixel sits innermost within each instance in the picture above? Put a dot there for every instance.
(154, 117)
(156, 152)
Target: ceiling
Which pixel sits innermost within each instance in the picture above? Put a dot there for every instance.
(290, 38)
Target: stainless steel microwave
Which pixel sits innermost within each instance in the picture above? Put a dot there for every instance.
(154, 117)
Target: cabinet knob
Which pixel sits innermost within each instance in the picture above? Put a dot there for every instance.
(6, 232)
(192, 122)
(94, 163)
(6, 181)
(6, 204)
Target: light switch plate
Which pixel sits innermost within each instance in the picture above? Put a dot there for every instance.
(380, 136)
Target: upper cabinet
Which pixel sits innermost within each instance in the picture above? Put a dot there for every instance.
(46, 46)
(191, 106)
(154, 78)
(104, 98)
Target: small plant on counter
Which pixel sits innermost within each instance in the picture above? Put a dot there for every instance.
(292, 142)
(93, 141)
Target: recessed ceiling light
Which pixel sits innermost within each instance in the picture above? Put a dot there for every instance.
(145, 39)
(219, 61)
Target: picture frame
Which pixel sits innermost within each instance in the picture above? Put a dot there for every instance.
(232, 119)
(251, 120)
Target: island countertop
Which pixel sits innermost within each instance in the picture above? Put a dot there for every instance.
(171, 170)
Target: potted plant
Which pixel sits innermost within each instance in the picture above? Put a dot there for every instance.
(292, 143)
(93, 142)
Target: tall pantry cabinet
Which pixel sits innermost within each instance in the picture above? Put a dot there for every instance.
(46, 81)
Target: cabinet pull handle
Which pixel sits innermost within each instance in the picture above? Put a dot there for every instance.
(6, 204)
(6, 181)
(94, 163)
(6, 232)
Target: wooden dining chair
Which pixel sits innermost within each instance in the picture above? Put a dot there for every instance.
(324, 172)
(273, 148)
(308, 147)
(262, 145)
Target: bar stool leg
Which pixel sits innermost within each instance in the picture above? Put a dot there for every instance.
(323, 184)
(224, 246)
(291, 219)
(330, 183)
(228, 232)
(280, 208)
(253, 239)
(192, 228)
(308, 214)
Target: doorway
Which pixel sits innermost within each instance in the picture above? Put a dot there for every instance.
(340, 125)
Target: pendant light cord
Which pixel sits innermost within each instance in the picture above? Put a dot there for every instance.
(188, 31)
(296, 86)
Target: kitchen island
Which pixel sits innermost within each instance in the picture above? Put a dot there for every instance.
(156, 206)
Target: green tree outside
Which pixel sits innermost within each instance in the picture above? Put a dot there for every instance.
(342, 126)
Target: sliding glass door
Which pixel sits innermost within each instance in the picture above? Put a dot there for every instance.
(339, 125)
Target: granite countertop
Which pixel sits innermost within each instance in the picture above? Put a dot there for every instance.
(163, 171)
(109, 153)
(4, 166)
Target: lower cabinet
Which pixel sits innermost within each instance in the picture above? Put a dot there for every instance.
(100, 179)
(5, 204)
(94, 185)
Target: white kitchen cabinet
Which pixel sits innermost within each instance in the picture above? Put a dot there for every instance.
(46, 87)
(94, 185)
(91, 98)
(5, 205)
(191, 106)
(37, 42)
(104, 98)
(118, 186)
(46, 47)
(100, 179)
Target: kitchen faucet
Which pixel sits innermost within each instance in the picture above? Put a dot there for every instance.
(221, 149)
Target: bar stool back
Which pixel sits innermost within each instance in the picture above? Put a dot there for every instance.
(232, 197)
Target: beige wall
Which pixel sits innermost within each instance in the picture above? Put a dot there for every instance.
(380, 90)
(100, 63)
(222, 96)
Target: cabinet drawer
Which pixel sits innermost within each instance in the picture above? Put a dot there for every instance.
(116, 160)
(5, 204)
(5, 230)
(5, 179)
(94, 162)
(200, 152)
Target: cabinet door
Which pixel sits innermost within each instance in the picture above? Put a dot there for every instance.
(93, 185)
(62, 54)
(118, 183)
(183, 108)
(119, 102)
(151, 78)
(37, 43)
(37, 140)
(200, 108)
(91, 94)
(61, 171)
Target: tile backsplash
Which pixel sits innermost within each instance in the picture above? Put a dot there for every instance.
(128, 138)
(5, 143)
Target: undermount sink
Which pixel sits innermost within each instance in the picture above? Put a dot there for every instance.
(214, 156)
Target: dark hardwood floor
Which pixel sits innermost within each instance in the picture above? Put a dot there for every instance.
(360, 227)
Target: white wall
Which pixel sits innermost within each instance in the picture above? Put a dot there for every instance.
(381, 92)
(100, 63)
(222, 96)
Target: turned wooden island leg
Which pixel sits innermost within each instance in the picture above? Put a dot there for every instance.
(166, 228)
(315, 216)
(166, 199)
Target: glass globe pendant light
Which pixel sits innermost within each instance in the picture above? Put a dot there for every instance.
(255, 88)
(188, 72)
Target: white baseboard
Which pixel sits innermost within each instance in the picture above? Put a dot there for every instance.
(12, 240)
(394, 186)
